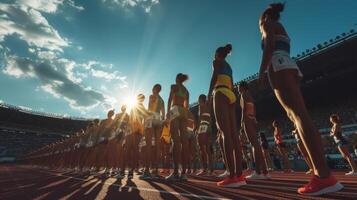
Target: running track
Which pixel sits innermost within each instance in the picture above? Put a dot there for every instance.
(20, 183)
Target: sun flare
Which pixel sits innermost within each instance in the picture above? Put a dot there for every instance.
(130, 102)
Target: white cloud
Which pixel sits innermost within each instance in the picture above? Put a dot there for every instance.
(48, 6)
(55, 81)
(107, 75)
(31, 26)
(145, 4)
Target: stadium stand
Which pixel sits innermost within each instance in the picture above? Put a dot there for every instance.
(23, 130)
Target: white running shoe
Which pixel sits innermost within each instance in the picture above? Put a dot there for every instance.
(224, 174)
(267, 176)
(351, 173)
(255, 176)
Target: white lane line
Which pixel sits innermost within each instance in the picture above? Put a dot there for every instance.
(144, 189)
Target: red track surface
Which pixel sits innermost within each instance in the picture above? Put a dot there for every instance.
(18, 182)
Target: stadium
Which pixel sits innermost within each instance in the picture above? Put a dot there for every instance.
(329, 74)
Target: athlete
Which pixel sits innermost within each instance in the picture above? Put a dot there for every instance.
(302, 150)
(122, 128)
(224, 103)
(341, 143)
(137, 117)
(204, 136)
(177, 110)
(192, 142)
(284, 76)
(266, 153)
(249, 125)
(281, 146)
(153, 125)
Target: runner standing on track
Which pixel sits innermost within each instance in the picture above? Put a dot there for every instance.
(342, 144)
(302, 150)
(204, 136)
(284, 76)
(153, 132)
(224, 103)
(249, 125)
(266, 153)
(177, 111)
(281, 146)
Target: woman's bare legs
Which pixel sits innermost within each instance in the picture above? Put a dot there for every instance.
(344, 152)
(286, 162)
(287, 90)
(222, 114)
(267, 159)
(174, 129)
(235, 138)
(305, 154)
(250, 130)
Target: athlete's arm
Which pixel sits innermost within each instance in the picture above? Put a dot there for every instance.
(170, 99)
(162, 110)
(268, 47)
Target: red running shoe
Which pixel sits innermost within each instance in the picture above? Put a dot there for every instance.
(319, 186)
(232, 182)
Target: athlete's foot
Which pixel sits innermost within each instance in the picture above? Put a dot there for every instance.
(351, 173)
(183, 177)
(255, 176)
(173, 177)
(120, 175)
(267, 176)
(202, 173)
(319, 186)
(232, 182)
(145, 176)
(130, 174)
(224, 174)
(309, 172)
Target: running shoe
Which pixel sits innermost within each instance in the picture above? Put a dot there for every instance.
(130, 175)
(120, 175)
(319, 186)
(183, 177)
(201, 173)
(145, 176)
(232, 182)
(173, 177)
(224, 174)
(255, 176)
(309, 172)
(267, 176)
(351, 173)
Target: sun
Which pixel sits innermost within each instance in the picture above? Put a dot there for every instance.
(130, 102)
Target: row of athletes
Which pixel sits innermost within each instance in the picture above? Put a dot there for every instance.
(119, 141)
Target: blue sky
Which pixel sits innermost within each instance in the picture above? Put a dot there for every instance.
(80, 58)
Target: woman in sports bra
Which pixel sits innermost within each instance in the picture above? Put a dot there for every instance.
(284, 76)
(281, 147)
(177, 114)
(204, 136)
(342, 144)
(153, 130)
(249, 125)
(224, 106)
